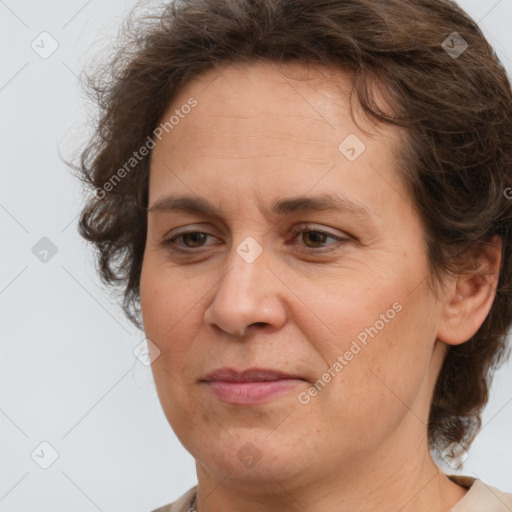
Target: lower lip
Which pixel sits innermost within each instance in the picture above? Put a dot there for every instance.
(251, 392)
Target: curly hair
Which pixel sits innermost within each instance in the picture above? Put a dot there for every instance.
(443, 83)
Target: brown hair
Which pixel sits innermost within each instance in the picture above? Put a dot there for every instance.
(457, 162)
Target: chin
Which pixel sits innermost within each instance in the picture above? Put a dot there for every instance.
(250, 455)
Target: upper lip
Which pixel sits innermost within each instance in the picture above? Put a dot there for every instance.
(248, 375)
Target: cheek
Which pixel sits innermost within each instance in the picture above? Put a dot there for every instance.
(170, 309)
(376, 345)
(341, 311)
(165, 313)
(168, 300)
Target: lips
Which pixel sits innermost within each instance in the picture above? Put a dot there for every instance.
(250, 387)
(249, 375)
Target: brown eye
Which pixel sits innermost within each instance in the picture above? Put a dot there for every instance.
(187, 241)
(196, 239)
(310, 240)
(315, 237)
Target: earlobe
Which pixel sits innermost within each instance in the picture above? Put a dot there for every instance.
(470, 299)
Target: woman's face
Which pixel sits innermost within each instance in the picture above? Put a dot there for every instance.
(344, 313)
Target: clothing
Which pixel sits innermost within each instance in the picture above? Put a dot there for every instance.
(479, 498)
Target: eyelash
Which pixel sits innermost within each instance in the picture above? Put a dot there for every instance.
(170, 243)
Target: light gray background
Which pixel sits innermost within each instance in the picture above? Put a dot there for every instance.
(68, 373)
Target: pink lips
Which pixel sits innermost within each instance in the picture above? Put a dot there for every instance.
(251, 386)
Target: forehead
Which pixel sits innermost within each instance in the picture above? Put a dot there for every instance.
(258, 97)
(276, 128)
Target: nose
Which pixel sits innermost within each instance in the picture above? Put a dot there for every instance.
(248, 295)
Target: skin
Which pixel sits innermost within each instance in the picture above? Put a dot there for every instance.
(255, 137)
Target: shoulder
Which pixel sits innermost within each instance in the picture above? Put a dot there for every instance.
(481, 497)
(182, 504)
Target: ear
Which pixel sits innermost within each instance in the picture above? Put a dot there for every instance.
(469, 297)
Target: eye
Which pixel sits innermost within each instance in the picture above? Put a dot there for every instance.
(190, 239)
(314, 238)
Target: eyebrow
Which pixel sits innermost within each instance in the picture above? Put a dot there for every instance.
(287, 206)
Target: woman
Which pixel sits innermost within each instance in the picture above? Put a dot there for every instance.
(305, 206)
